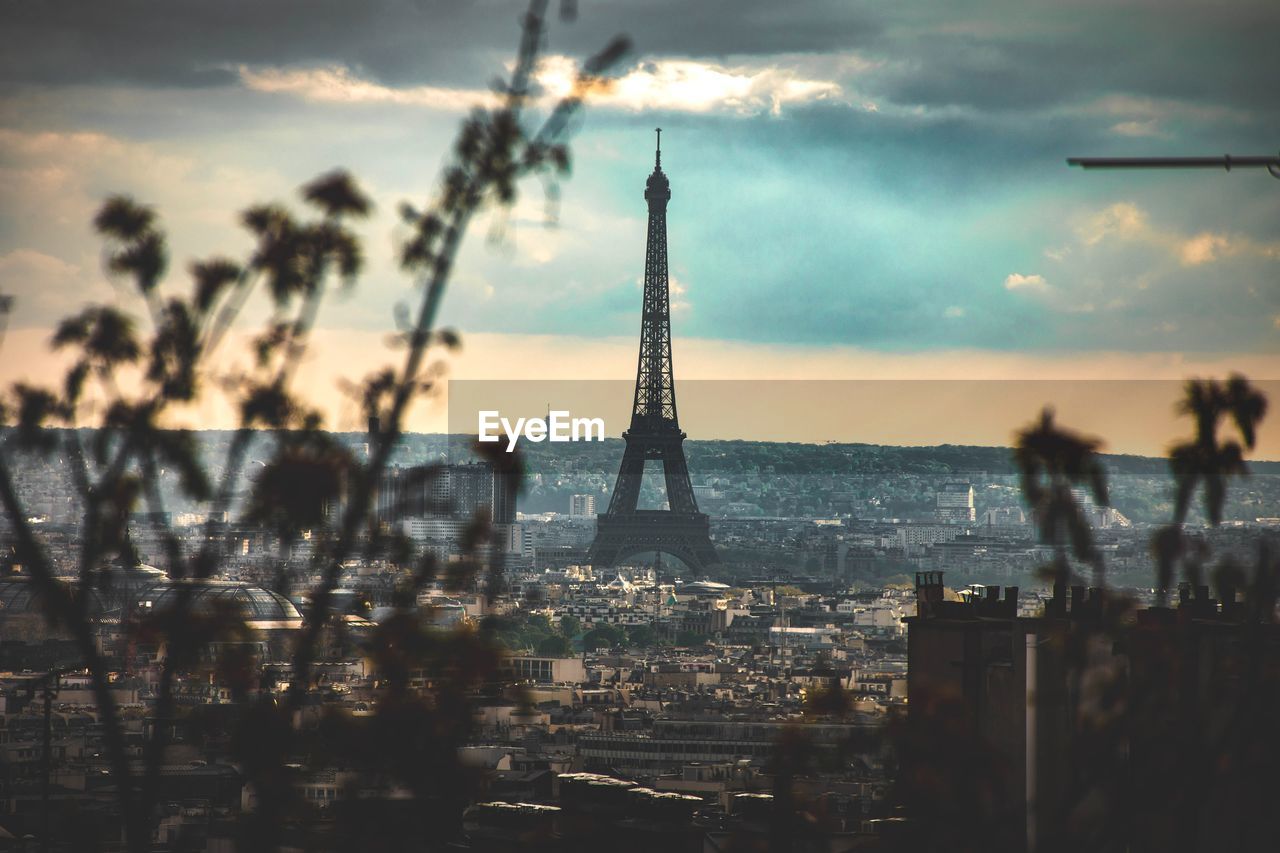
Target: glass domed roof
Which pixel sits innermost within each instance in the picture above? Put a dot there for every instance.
(19, 595)
(144, 587)
(257, 605)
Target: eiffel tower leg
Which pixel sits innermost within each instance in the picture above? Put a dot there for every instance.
(626, 493)
(603, 551)
(685, 536)
(679, 489)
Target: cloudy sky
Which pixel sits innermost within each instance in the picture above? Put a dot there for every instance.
(860, 189)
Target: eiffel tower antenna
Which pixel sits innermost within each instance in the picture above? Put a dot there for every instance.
(679, 530)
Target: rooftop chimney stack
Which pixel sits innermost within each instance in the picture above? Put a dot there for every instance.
(928, 592)
(1077, 598)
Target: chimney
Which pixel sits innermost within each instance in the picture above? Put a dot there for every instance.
(928, 592)
(1094, 600)
(1228, 592)
(1057, 606)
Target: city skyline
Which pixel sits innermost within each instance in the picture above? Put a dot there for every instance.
(858, 193)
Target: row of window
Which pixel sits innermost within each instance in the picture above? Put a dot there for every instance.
(320, 794)
(535, 669)
(677, 749)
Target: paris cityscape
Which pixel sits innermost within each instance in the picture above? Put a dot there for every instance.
(821, 431)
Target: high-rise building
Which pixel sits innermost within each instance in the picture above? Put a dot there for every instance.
(977, 666)
(454, 491)
(955, 503)
(582, 506)
(473, 488)
(512, 538)
(1058, 732)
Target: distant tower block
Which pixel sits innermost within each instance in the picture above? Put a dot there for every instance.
(955, 503)
(680, 530)
(582, 506)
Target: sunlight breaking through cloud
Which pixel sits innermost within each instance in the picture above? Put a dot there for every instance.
(697, 87)
(680, 85)
(337, 84)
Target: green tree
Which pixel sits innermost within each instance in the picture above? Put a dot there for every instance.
(642, 636)
(690, 639)
(539, 625)
(554, 646)
(570, 626)
(602, 637)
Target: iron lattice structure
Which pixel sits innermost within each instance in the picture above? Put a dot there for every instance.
(680, 529)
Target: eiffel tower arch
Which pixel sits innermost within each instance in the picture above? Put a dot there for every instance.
(679, 530)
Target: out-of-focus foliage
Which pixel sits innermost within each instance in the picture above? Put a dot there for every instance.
(131, 373)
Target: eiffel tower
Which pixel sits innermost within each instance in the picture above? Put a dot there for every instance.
(680, 530)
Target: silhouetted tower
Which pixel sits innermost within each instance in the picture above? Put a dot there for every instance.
(679, 530)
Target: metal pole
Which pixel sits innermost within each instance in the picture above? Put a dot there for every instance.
(46, 760)
(1031, 737)
(1226, 161)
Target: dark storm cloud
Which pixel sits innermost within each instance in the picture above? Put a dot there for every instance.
(721, 28)
(186, 43)
(990, 56)
(1221, 57)
(190, 42)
